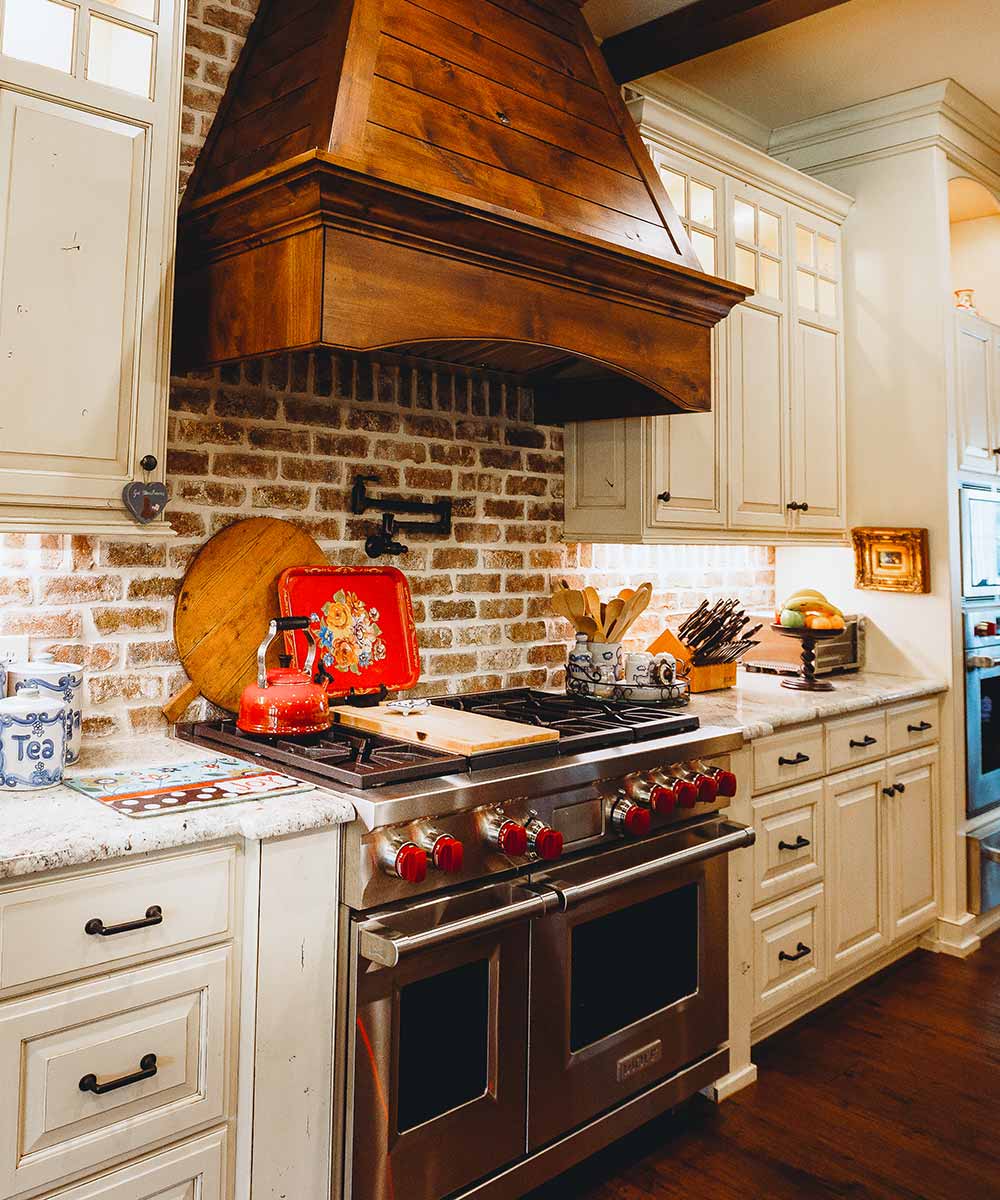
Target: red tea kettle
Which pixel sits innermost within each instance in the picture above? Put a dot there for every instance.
(284, 702)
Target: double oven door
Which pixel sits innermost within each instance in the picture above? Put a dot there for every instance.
(982, 715)
(491, 1022)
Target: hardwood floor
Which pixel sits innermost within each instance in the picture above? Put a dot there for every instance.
(891, 1092)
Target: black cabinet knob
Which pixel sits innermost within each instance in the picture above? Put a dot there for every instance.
(149, 462)
(889, 791)
(664, 497)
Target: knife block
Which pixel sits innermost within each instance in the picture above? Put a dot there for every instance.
(713, 677)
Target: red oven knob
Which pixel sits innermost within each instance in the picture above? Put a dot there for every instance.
(678, 781)
(665, 799)
(707, 790)
(629, 819)
(448, 855)
(726, 783)
(512, 839)
(544, 841)
(411, 863)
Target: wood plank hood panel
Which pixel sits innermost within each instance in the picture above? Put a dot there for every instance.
(451, 181)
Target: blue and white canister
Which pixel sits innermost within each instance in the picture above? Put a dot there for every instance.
(32, 741)
(57, 680)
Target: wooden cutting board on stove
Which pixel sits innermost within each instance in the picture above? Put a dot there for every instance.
(228, 597)
(444, 728)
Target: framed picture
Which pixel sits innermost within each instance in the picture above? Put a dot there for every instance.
(892, 560)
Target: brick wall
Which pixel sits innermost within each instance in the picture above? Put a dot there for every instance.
(284, 438)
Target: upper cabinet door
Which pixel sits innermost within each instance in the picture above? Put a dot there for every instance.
(604, 479)
(818, 439)
(978, 434)
(759, 384)
(89, 116)
(686, 471)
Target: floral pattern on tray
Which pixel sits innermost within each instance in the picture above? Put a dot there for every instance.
(349, 635)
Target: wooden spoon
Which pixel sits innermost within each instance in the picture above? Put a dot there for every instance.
(614, 611)
(634, 609)
(593, 603)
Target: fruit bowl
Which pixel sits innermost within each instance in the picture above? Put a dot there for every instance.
(807, 682)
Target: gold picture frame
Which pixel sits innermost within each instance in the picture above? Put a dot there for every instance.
(892, 560)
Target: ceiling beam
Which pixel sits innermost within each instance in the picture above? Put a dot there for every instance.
(698, 29)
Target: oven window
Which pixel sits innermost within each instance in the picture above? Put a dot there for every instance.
(632, 963)
(989, 711)
(444, 1043)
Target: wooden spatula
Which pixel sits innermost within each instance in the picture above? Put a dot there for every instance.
(614, 611)
(593, 603)
(634, 609)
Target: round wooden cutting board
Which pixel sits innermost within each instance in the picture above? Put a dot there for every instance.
(228, 597)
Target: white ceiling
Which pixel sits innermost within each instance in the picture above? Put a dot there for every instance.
(857, 51)
(612, 16)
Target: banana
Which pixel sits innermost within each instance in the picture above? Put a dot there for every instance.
(813, 604)
(803, 592)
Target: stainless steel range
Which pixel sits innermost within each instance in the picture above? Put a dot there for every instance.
(536, 941)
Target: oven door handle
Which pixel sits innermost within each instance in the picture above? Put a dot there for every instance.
(384, 946)
(731, 837)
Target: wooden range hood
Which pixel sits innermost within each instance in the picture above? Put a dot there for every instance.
(444, 181)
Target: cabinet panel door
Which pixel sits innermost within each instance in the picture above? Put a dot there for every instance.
(604, 479)
(195, 1170)
(818, 435)
(856, 866)
(72, 185)
(912, 840)
(976, 433)
(687, 452)
(758, 360)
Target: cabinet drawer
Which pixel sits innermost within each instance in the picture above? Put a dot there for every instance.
(195, 1170)
(788, 758)
(912, 726)
(83, 1086)
(855, 741)
(788, 854)
(789, 949)
(43, 928)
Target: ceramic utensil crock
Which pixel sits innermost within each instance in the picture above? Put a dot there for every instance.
(57, 681)
(32, 740)
(283, 701)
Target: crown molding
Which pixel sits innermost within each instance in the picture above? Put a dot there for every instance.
(664, 125)
(686, 98)
(941, 114)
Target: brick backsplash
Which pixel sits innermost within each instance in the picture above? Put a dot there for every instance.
(284, 438)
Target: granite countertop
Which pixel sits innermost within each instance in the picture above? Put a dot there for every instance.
(59, 827)
(759, 705)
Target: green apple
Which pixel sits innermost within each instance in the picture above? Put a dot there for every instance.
(791, 619)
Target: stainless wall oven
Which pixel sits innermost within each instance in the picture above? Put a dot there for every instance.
(982, 709)
(503, 1029)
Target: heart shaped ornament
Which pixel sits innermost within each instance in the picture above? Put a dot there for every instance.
(145, 501)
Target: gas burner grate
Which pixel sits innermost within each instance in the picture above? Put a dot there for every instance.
(357, 760)
(584, 723)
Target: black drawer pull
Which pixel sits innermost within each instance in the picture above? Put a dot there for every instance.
(95, 927)
(921, 728)
(147, 1069)
(800, 843)
(900, 788)
(889, 791)
(863, 745)
(797, 761)
(801, 951)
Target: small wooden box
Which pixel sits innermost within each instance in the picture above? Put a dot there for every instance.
(711, 678)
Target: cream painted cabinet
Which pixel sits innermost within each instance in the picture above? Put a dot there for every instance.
(770, 456)
(911, 816)
(857, 871)
(817, 441)
(89, 112)
(759, 369)
(848, 843)
(978, 358)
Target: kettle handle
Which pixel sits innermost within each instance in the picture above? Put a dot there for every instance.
(285, 625)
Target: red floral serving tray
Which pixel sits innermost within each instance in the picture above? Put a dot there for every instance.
(363, 618)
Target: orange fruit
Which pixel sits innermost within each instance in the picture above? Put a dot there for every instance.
(818, 621)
